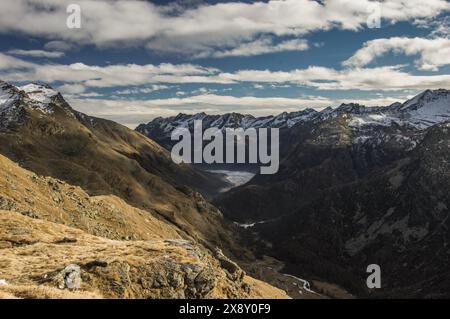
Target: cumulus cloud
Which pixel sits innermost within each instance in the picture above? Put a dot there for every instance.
(433, 53)
(203, 91)
(11, 64)
(388, 78)
(107, 76)
(202, 28)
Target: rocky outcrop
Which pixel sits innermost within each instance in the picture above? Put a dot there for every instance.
(69, 277)
(234, 272)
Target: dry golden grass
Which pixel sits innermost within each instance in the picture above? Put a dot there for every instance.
(262, 290)
(33, 250)
(43, 292)
(53, 200)
(47, 224)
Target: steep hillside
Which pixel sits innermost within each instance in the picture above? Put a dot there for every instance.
(54, 200)
(118, 251)
(42, 133)
(41, 259)
(401, 211)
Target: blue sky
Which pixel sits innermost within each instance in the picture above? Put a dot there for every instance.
(134, 60)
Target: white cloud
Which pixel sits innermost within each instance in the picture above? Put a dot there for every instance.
(107, 76)
(258, 47)
(433, 53)
(203, 28)
(37, 53)
(58, 46)
(385, 78)
(388, 78)
(153, 88)
(89, 94)
(203, 90)
(72, 89)
(12, 64)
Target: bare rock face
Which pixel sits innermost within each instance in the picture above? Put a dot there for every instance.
(70, 277)
(234, 272)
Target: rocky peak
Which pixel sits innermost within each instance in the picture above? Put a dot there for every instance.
(354, 108)
(426, 98)
(10, 113)
(8, 95)
(16, 101)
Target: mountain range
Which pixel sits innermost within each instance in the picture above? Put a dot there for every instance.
(357, 185)
(411, 113)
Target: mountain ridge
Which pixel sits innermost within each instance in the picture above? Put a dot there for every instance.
(407, 113)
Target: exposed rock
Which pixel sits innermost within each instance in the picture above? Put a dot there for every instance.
(234, 272)
(69, 277)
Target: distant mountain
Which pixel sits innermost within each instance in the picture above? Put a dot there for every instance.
(160, 129)
(424, 110)
(360, 186)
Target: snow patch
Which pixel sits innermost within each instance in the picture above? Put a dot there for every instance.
(40, 95)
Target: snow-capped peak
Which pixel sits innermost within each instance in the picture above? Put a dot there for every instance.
(39, 92)
(427, 108)
(34, 96)
(424, 98)
(40, 96)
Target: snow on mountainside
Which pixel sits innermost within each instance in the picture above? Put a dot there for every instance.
(14, 101)
(229, 120)
(428, 108)
(421, 112)
(9, 96)
(41, 95)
